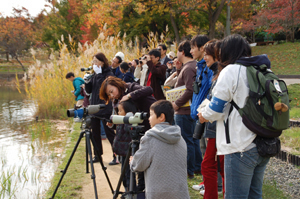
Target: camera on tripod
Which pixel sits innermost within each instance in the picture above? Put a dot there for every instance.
(83, 112)
(129, 118)
(134, 129)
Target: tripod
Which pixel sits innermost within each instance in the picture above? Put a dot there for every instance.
(134, 132)
(86, 131)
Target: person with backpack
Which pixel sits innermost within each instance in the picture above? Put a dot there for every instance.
(244, 167)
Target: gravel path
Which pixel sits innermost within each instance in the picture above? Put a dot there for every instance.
(286, 176)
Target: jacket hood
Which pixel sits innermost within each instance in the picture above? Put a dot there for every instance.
(255, 61)
(170, 134)
(79, 79)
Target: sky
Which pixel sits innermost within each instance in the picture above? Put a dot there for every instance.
(34, 7)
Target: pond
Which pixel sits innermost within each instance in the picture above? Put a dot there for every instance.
(30, 150)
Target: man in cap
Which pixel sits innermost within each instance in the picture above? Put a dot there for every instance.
(116, 61)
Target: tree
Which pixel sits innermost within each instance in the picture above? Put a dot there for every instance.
(280, 16)
(65, 18)
(139, 17)
(16, 33)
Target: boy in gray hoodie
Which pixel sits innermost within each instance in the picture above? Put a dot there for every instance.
(162, 155)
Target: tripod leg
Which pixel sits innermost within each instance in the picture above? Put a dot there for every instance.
(133, 149)
(87, 137)
(86, 156)
(69, 161)
(116, 193)
(102, 165)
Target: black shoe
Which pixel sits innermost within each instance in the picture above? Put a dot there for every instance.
(191, 176)
(198, 172)
(113, 162)
(95, 159)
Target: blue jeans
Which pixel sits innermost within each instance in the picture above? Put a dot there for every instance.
(194, 156)
(244, 174)
(102, 130)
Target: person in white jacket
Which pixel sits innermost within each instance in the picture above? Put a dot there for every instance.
(141, 72)
(244, 167)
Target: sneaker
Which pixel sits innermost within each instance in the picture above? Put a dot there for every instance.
(114, 162)
(202, 192)
(198, 187)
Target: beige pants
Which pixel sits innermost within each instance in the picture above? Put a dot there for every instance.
(79, 103)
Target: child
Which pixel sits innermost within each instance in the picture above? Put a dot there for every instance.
(162, 155)
(125, 69)
(123, 138)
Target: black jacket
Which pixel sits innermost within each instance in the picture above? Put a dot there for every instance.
(93, 87)
(142, 98)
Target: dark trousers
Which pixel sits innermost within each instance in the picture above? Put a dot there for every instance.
(96, 133)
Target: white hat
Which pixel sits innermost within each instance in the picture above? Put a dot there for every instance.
(172, 54)
(121, 55)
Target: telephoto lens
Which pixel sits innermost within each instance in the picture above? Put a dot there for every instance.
(199, 130)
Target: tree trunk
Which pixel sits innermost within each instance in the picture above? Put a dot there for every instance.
(7, 56)
(227, 32)
(175, 28)
(212, 29)
(293, 29)
(213, 18)
(16, 57)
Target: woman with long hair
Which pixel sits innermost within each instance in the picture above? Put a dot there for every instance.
(244, 167)
(101, 72)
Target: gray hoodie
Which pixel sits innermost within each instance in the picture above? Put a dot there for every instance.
(162, 156)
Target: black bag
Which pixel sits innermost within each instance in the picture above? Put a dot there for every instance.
(267, 147)
(199, 130)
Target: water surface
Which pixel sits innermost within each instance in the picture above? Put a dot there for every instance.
(29, 150)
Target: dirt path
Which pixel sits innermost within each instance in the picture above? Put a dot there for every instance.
(113, 172)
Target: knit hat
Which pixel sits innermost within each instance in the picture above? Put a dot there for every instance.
(121, 55)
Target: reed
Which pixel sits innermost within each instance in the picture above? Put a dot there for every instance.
(45, 83)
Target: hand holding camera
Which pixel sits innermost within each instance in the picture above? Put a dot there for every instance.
(170, 64)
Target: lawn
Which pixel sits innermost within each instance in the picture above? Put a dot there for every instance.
(13, 66)
(294, 95)
(269, 190)
(285, 59)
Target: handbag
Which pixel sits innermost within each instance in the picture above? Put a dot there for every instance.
(267, 147)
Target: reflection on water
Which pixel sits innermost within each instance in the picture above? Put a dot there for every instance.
(29, 150)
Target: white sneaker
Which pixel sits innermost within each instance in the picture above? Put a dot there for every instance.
(202, 192)
(198, 187)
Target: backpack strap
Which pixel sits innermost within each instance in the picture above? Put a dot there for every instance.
(226, 124)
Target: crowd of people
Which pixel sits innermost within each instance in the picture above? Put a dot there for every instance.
(212, 75)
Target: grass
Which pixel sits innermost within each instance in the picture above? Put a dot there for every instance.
(295, 113)
(291, 138)
(270, 190)
(294, 95)
(75, 176)
(284, 57)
